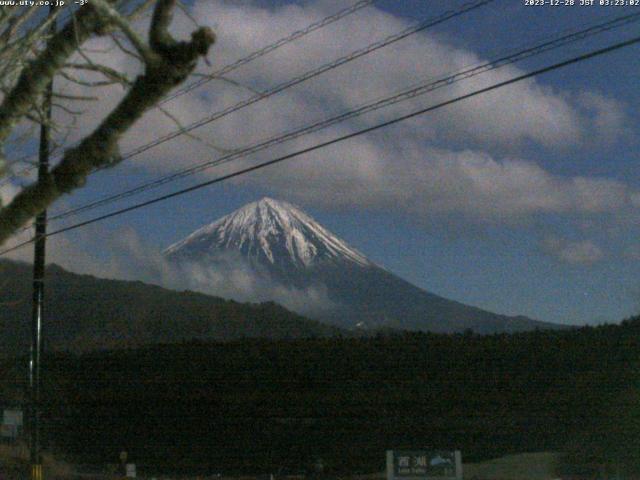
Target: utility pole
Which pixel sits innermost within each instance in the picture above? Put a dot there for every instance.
(35, 360)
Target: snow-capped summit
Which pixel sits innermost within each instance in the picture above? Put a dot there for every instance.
(268, 232)
(285, 247)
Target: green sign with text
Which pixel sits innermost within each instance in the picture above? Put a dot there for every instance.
(423, 464)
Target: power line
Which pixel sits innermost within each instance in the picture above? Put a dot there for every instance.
(447, 15)
(359, 5)
(406, 94)
(270, 48)
(336, 140)
(411, 30)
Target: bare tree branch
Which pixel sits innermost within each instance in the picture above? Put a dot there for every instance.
(170, 63)
(191, 135)
(139, 10)
(109, 73)
(159, 37)
(14, 24)
(106, 10)
(36, 75)
(185, 11)
(230, 81)
(82, 98)
(124, 49)
(86, 83)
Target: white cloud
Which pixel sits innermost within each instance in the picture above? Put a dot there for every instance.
(526, 111)
(404, 168)
(233, 278)
(430, 182)
(132, 258)
(125, 255)
(523, 111)
(608, 119)
(516, 113)
(583, 252)
(401, 168)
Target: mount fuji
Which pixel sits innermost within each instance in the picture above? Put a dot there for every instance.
(281, 244)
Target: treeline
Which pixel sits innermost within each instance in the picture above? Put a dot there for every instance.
(263, 406)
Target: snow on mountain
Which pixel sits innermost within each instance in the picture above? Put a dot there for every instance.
(268, 232)
(284, 246)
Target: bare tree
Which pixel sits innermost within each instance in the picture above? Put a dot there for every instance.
(29, 60)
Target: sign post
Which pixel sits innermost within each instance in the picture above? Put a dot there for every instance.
(424, 465)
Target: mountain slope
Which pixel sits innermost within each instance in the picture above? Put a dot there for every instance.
(84, 313)
(279, 241)
(269, 234)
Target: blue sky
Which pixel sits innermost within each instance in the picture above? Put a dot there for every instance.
(524, 202)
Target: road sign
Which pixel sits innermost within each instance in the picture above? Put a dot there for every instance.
(424, 464)
(11, 423)
(12, 416)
